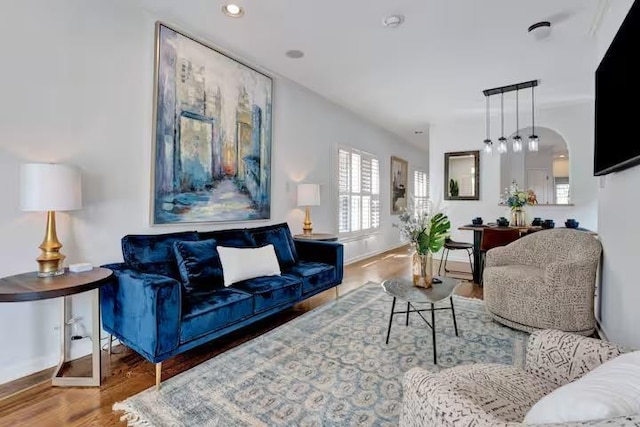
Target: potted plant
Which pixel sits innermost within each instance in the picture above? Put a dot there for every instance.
(454, 190)
(517, 199)
(427, 234)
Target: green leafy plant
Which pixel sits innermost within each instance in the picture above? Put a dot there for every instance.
(425, 231)
(454, 190)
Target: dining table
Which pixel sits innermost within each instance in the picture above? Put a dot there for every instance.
(477, 240)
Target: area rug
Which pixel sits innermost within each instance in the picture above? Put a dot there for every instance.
(328, 367)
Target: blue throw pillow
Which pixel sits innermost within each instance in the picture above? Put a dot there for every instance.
(199, 264)
(281, 239)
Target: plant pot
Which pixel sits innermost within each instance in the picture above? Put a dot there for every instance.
(422, 268)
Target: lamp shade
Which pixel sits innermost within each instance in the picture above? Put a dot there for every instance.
(308, 195)
(49, 187)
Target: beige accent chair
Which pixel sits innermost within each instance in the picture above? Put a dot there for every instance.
(492, 395)
(545, 280)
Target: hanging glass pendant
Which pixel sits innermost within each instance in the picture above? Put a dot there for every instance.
(502, 145)
(533, 143)
(488, 146)
(533, 138)
(517, 144)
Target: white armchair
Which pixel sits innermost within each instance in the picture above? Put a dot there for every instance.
(492, 395)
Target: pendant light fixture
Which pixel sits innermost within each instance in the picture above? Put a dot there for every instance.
(517, 140)
(502, 141)
(533, 138)
(488, 144)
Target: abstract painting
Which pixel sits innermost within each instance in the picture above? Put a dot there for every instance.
(399, 180)
(212, 157)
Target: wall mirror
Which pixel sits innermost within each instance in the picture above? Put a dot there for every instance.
(545, 171)
(462, 175)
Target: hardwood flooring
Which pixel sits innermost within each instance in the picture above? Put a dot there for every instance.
(125, 373)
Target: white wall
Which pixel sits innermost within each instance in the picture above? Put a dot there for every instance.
(574, 123)
(618, 204)
(77, 88)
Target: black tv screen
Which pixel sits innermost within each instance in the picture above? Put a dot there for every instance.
(617, 145)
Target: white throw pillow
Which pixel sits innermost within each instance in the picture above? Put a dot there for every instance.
(610, 390)
(246, 263)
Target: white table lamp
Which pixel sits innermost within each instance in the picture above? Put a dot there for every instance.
(49, 188)
(308, 195)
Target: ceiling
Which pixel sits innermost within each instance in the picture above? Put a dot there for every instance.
(432, 68)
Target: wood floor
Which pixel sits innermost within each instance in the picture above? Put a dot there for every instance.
(126, 373)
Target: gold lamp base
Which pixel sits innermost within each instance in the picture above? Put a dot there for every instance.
(306, 226)
(50, 261)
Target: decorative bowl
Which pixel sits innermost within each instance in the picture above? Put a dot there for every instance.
(571, 224)
(548, 223)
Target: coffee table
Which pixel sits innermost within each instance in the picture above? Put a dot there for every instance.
(404, 290)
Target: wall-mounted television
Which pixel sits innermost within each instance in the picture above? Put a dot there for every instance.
(617, 140)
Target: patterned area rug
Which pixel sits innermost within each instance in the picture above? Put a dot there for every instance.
(328, 367)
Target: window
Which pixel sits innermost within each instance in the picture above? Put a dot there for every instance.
(420, 192)
(359, 191)
(562, 191)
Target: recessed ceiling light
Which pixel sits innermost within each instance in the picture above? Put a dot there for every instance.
(393, 21)
(294, 53)
(232, 10)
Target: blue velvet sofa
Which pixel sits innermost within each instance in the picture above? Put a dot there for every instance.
(151, 308)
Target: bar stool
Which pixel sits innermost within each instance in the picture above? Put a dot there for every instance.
(451, 245)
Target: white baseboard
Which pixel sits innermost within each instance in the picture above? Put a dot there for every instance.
(21, 369)
(374, 253)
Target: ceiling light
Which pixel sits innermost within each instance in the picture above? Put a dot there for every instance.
(517, 139)
(488, 144)
(533, 138)
(232, 10)
(540, 30)
(502, 141)
(294, 54)
(393, 21)
(418, 132)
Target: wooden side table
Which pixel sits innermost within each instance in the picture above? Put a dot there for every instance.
(30, 287)
(327, 237)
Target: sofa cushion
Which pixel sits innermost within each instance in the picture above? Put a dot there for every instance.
(315, 275)
(280, 237)
(206, 311)
(240, 264)
(198, 264)
(153, 253)
(273, 291)
(237, 238)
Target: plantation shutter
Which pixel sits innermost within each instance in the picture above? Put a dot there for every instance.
(359, 188)
(420, 192)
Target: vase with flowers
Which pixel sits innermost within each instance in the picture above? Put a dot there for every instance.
(517, 199)
(427, 234)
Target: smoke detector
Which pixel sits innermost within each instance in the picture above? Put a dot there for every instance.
(392, 21)
(540, 30)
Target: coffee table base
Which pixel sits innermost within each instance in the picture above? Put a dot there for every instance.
(432, 325)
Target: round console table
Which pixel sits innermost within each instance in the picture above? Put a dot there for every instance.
(326, 237)
(30, 287)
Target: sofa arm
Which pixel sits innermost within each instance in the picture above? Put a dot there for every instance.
(331, 253)
(563, 357)
(142, 310)
(430, 399)
(574, 274)
(499, 256)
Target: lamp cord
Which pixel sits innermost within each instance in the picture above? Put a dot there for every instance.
(517, 114)
(533, 111)
(488, 120)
